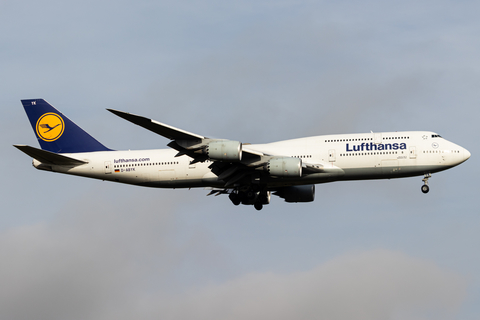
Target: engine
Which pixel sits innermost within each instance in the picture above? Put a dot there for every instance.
(285, 167)
(297, 193)
(225, 150)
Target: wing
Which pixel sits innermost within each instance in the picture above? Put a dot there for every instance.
(233, 162)
(162, 129)
(185, 142)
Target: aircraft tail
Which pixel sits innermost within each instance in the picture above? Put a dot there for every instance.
(55, 132)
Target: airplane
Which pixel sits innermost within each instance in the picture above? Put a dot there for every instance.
(248, 173)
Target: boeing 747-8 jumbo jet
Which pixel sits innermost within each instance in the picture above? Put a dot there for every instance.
(248, 173)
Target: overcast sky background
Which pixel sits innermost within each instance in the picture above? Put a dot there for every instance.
(255, 71)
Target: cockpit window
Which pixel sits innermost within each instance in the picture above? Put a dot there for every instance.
(436, 136)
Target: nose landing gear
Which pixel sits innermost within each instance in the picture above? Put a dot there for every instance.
(425, 187)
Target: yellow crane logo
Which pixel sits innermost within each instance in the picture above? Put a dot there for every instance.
(50, 127)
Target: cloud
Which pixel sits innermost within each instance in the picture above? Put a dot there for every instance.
(104, 261)
(370, 285)
(97, 254)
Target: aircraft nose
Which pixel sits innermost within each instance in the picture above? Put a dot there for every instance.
(466, 154)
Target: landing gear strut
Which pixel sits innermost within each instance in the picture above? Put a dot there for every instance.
(425, 187)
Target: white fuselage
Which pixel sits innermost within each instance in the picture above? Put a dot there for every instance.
(342, 157)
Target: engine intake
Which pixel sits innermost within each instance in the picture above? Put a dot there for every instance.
(285, 167)
(224, 150)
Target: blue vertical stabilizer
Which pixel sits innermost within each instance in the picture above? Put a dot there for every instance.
(55, 132)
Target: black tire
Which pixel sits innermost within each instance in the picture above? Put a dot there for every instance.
(258, 206)
(425, 188)
(235, 198)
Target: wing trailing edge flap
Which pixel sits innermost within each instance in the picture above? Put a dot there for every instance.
(218, 191)
(48, 157)
(191, 153)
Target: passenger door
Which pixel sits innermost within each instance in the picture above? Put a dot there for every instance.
(108, 167)
(331, 155)
(413, 153)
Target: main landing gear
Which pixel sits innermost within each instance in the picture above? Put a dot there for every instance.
(425, 187)
(250, 197)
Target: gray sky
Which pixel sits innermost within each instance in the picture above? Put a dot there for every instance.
(256, 71)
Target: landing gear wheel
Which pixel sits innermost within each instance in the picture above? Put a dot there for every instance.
(235, 198)
(250, 195)
(258, 206)
(425, 188)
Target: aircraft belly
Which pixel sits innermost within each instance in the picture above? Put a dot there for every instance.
(190, 183)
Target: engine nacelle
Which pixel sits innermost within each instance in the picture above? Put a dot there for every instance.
(225, 150)
(297, 193)
(285, 167)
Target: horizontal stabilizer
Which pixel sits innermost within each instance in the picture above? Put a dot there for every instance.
(162, 129)
(48, 157)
